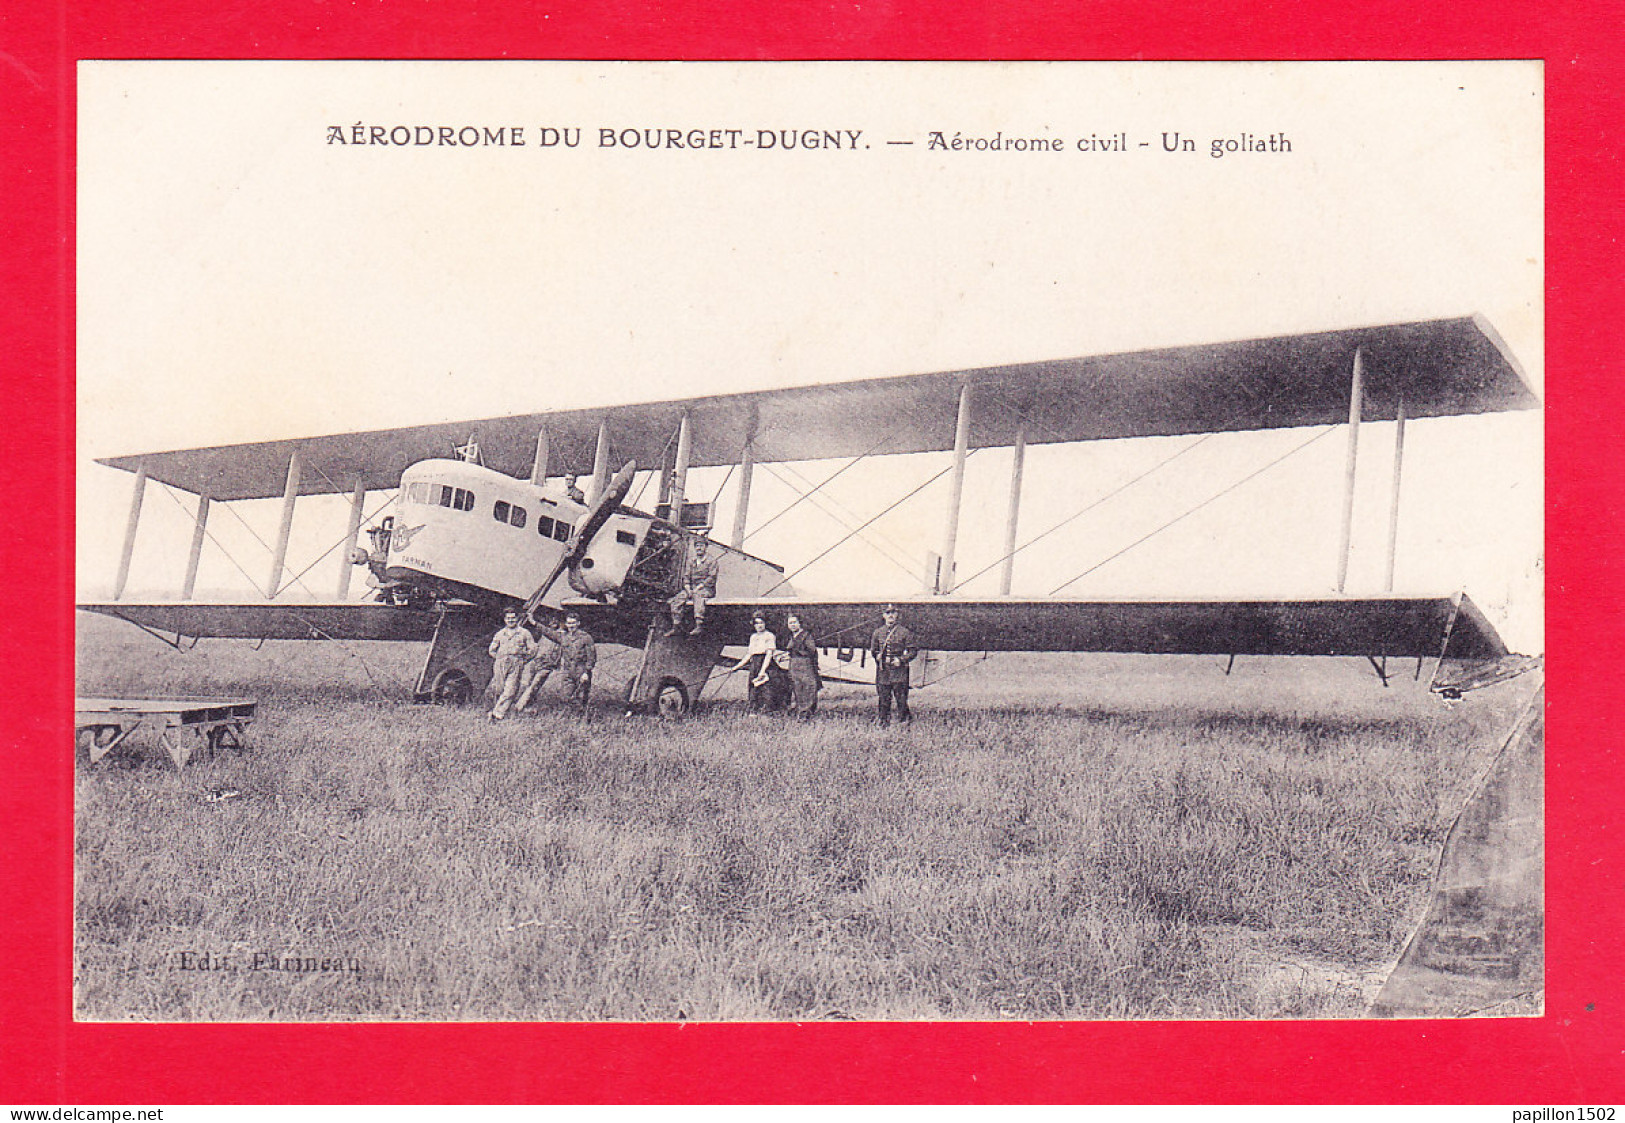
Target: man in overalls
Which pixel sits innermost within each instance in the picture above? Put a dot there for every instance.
(511, 648)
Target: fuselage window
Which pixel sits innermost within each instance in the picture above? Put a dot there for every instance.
(561, 530)
(457, 498)
(500, 511)
(420, 492)
(517, 515)
(626, 538)
(544, 526)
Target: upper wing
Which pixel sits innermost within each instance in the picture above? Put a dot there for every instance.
(1439, 627)
(274, 619)
(1438, 367)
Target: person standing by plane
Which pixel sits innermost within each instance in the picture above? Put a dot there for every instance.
(894, 649)
(804, 679)
(578, 655)
(536, 672)
(758, 658)
(699, 586)
(512, 648)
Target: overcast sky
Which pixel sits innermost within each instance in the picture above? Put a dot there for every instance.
(242, 277)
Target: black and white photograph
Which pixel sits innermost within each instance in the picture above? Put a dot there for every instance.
(791, 542)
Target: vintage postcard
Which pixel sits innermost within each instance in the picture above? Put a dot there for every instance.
(672, 542)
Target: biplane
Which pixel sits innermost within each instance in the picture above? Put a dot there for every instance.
(476, 530)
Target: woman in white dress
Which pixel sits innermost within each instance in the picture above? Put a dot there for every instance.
(758, 658)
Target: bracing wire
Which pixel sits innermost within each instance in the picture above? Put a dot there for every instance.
(863, 526)
(991, 396)
(656, 472)
(889, 436)
(209, 534)
(314, 629)
(1113, 493)
(723, 484)
(1186, 514)
(836, 509)
(323, 556)
(880, 547)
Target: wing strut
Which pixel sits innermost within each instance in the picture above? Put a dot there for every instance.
(679, 471)
(1356, 386)
(1085, 509)
(950, 536)
(747, 466)
(1380, 667)
(1393, 505)
(358, 500)
(600, 464)
(159, 636)
(1017, 462)
(200, 530)
(136, 494)
(279, 554)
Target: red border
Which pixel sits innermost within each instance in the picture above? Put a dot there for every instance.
(1573, 1055)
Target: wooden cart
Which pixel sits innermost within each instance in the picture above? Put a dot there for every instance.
(182, 726)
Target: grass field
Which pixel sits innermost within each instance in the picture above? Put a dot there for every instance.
(1053, 837)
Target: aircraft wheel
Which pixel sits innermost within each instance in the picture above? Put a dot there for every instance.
(672, 701)
(452, 688)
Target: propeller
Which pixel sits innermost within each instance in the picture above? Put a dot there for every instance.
(585, 532)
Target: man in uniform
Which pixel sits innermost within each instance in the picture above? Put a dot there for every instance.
(512, 648)
(578, 654)
(699, 586)
(894, 649)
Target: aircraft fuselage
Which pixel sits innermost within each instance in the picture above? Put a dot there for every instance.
(467, 531)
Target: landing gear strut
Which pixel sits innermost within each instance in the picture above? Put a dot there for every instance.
(674, 671)
(458, 667)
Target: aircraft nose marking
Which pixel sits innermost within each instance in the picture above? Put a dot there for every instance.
(403, 535)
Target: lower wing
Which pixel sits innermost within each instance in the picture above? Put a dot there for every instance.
(1449, 627)
(337, 620)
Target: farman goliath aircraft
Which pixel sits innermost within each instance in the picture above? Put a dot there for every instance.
(475, 531)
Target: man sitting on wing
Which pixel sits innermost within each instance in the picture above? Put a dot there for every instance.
(699, 586)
